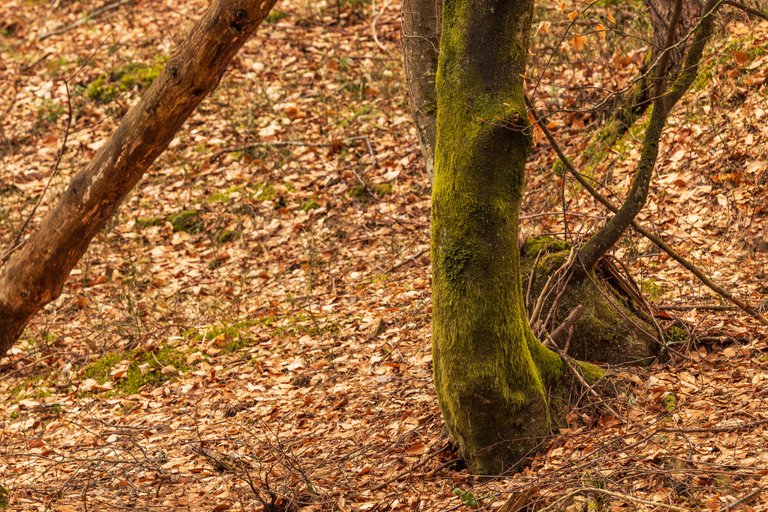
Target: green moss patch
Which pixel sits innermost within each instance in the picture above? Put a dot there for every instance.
(275, 16)
(147, 222)
(144, 369)
(5, 498)
(366, 193)
(133, 76)
(189, 221)
(229, 337)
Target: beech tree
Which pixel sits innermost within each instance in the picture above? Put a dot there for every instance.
(500, 389)
(33, 273)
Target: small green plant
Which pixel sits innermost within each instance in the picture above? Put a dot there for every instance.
(466, 497)
(668, 403)
(309, 204)
(275, 16)
(651, 288)
(676, 335)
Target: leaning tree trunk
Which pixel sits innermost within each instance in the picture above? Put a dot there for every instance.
(421, 39)
(668, 88)
(630, 106)
(35, 273)
(492, 375)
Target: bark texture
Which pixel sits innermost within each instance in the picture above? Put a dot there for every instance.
(35, 274)
(421, 40)
(492, 376)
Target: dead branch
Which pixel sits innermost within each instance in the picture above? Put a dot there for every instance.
(617, 495)
(747, 9)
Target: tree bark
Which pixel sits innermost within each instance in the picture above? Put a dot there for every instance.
(492, 376)
(421, 40)
(35, 273)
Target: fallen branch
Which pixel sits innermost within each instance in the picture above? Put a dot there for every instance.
(619, 496)
(716, 430)
(407, 260)
(749, 10)
(639, 228)
(744, 499)
(701, 307)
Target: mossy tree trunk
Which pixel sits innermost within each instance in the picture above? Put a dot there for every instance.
(33, 274)
(491, 374)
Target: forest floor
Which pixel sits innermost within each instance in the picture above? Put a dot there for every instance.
(253, 327)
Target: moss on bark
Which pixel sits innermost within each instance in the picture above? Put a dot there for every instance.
(610, 330)
(492, 376)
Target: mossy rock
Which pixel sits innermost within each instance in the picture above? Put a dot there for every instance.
(610, 330)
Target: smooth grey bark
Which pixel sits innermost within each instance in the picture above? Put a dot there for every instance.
(421, 42)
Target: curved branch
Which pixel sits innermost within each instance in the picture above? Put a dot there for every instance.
(727, 295)
(665, 98)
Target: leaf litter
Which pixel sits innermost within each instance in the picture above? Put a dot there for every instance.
(270, 307)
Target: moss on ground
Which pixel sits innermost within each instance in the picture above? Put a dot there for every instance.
(189, 221)
(108, 86)
(230, 337)
(365, 193)
(145, 368)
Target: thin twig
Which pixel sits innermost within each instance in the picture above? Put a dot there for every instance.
(744, 499)
(407, 260)
(700, 307)
(87, 18)
(574, 317)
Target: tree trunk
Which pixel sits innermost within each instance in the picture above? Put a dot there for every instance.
(35, 273)
(421, 39)
(668, 88)
(492, 375)
(633, 104)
